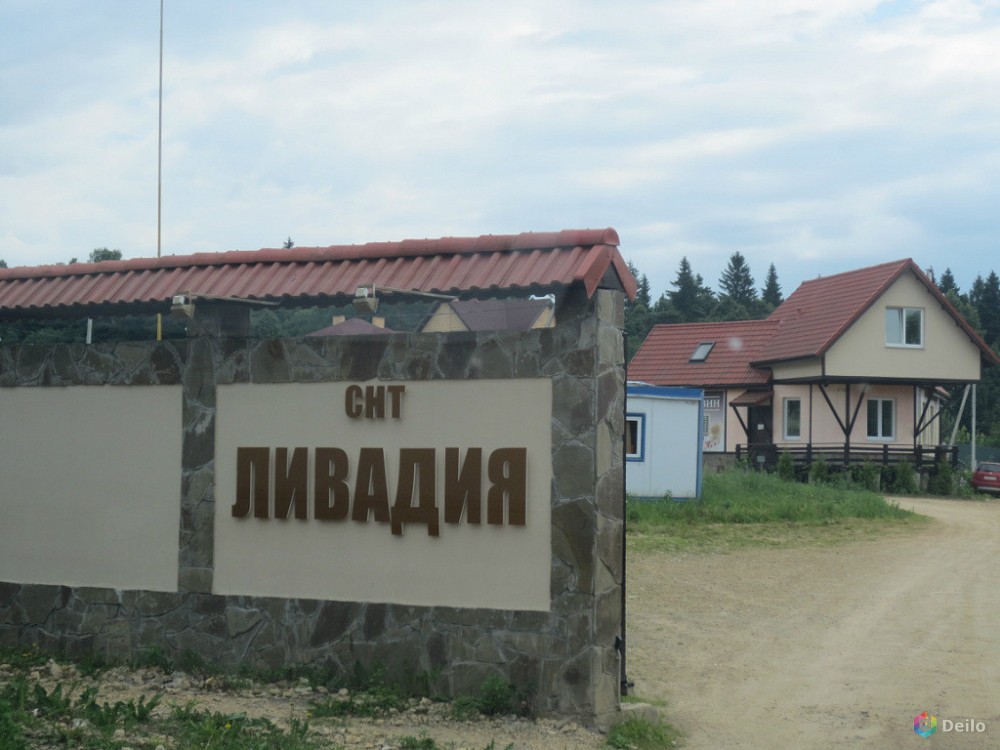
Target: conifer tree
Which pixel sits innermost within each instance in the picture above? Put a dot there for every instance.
(771, 293)
(690, 299)
(985, 296)
(947, 282)
(736, 282)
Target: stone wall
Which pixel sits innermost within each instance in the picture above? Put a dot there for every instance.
(565, 658)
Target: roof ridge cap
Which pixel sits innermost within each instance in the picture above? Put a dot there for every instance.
(486, 243)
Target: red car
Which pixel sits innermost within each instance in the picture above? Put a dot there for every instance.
(986, 477)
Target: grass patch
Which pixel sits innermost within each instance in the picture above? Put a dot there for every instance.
(642, 734)
(371, 703)
(496, 697)
(756, 509)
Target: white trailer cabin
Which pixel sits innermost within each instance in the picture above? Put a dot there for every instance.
(663, 441)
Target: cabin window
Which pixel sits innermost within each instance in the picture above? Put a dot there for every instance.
(635, 432)
(904, 326)
(881, 419)
(793, 418)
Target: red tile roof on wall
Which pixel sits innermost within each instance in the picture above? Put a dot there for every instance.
(531, 261)
(805, 326)
(664, 358)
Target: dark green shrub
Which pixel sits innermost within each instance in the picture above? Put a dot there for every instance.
(786, 467)
(942, 479)
(497, 697)
(867, 475)
(900, 479)
(11, 737)
(819, 471)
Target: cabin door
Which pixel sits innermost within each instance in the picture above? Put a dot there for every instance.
(759, 423)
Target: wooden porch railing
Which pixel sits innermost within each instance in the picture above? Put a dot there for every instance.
(840, 455)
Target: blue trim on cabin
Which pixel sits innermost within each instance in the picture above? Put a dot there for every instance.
(660, 391)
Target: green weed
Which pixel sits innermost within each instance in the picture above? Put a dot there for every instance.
(373, 702)
(418, 743)
(11, 736)
(216, 731)
(642, 734)
(496, 697)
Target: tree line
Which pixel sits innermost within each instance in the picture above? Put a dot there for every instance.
(690, 300)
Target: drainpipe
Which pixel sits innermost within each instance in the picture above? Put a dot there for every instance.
(620, 641)
(973, 427)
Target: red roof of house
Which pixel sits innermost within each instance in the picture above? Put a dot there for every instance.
(530, 262)
(665, 356)
(821, 310)
(806, 325)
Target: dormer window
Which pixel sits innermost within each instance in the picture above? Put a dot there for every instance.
(701, 353)
(904, 326)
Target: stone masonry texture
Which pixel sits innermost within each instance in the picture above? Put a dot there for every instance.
(564, 659)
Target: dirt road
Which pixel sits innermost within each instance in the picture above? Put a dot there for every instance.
(833, 647)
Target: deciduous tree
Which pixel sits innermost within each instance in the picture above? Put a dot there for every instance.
(99, 254)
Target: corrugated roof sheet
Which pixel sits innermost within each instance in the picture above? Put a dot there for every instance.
(665, 356)
(531, 261)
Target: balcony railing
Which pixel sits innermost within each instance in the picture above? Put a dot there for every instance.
(840, 455)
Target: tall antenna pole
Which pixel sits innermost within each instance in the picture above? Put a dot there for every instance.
(159, 170)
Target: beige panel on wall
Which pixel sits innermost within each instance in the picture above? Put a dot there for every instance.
(492, 566)
(91, 486)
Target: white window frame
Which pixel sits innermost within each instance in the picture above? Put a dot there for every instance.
(881, 437)
(639, 449)
(895, 323)
(785, 420)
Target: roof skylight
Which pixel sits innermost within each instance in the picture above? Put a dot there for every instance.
(702, 352)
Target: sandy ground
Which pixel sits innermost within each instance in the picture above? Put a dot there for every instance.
(831, 647)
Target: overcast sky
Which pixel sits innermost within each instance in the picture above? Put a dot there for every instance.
(818, 135)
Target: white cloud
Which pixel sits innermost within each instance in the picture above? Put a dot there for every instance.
(792, 130)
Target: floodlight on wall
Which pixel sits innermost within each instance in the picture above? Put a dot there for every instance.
(182, 306)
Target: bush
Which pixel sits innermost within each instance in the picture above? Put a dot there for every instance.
(11, 737)
(786, 467)
(867, 475)
(900, 479)
(819, 472)
(942, 479)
